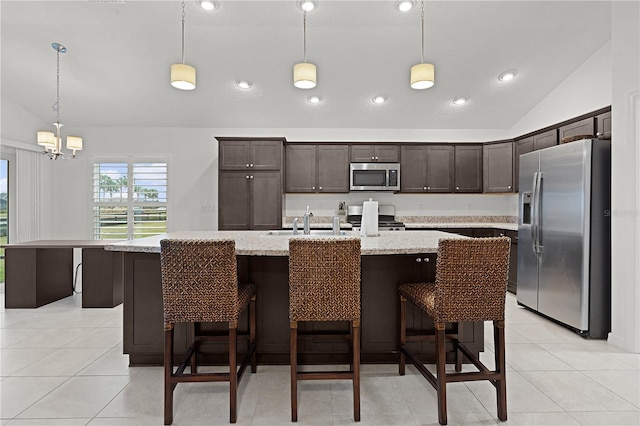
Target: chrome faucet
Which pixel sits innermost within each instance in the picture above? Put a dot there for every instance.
(305, 222)
(295, 226)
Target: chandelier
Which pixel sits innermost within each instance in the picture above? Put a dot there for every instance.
(52, 142)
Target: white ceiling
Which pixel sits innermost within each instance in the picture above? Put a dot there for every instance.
(116, 69)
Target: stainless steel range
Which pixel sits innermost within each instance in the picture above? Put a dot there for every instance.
(386, 217)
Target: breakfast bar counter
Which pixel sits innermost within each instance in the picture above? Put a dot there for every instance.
(387, 260)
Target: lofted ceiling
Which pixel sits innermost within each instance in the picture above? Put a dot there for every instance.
(116, 69)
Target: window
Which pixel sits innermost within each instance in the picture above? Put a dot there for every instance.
(129, 199)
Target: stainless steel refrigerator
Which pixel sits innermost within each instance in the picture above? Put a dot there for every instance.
(564, 235)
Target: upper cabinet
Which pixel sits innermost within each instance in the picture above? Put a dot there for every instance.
(528, 144)
(246, 154)
(317, 168)
(603, 125)
(426, 168)
(468, 168)
(498, 167)
(584, 128)
(374, 153)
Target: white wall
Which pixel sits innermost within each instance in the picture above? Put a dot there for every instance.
(625, 178)
(587, 89)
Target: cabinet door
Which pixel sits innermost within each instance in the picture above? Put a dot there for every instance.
(266, 155)
(333, 168)
(386, 153)
(440, 168)
(603, 124)
(300, 173)
(584, 128)
(266, 200)
(233, 196)
(468, 168)
(234, 155)
(545, 140)
(363, 153)
(413, 170)
(498, 167)
(521, 147)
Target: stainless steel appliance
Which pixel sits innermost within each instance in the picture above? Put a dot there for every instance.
(564, 235)
(375, 176)
(386, 217)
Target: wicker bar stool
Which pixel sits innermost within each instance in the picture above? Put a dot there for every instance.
(470, 285)
(324, 285)
(200, 284)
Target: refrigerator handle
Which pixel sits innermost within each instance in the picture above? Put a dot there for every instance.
(537, 192)
(534, 213)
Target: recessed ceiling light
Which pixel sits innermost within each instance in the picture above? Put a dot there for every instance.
(243, 84)
(207, 4)
(378, 99)
(314, 99)
(307, 5)
(460, 101)
(404, 5)
(507, 75)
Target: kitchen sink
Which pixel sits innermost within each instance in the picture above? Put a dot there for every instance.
(314, 232)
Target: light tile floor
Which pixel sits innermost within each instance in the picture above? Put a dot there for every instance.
(63, 365)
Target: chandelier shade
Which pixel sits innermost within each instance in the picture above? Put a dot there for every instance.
(304, 75)
(422, 76)
(183, 76)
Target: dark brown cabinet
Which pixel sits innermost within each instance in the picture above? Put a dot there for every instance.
(498, 167)
(250, 192)
(468, 168)
(248, 154)
(528, 144)
(317, 168)
(374, 153)
(426, 168)
(603, 125)
(250, 200)
(584, 128)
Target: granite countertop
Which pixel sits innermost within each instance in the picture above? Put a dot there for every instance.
(258, 243)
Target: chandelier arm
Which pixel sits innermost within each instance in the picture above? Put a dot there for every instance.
(304, 30)
(183, 16)
(422, 21)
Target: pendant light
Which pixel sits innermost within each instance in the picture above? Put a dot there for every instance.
(183, 76)
(52, 142)
(422, 75)
(304, 73)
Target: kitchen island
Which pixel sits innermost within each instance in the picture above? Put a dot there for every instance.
(387, 260)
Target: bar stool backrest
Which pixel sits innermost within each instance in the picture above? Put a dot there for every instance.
(471, 279)
(199, 280)
(324, 279)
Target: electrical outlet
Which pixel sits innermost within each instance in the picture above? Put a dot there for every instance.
(208, 208)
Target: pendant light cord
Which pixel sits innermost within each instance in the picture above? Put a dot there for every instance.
(56, 106)
(422, 21)
(183, 31)
(304, 30)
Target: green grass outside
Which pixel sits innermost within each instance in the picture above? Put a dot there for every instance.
(140, 230)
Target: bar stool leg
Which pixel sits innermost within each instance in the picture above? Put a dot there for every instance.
(168, 371)
(441, 374)
(355, 328)
(194, 328)
(501, 388)
(403, 333)
(293, 354)
(252, 334)
(233, 373)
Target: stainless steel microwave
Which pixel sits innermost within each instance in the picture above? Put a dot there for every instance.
(375, 176)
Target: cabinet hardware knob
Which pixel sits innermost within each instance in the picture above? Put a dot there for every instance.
(313, 187)
(418, 260)
(319, 187)
(599, 134)
(377, 158)
(457, 188)
(247, 165)
(425, 188)
(250, 177)
(426, 260)
(247, 177)
(373, 158)
(428, 187)
(509, 187)
(250, 165)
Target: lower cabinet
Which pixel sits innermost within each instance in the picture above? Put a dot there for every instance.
(250, 200)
